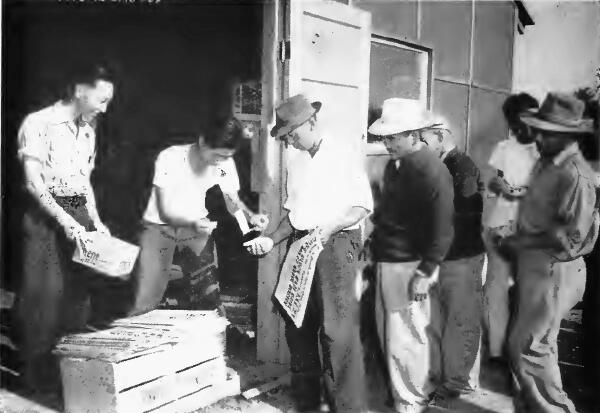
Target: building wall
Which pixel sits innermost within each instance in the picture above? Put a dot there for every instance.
(472, 45)
(547, 58)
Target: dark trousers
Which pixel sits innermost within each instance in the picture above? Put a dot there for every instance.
(56, 295)
(331, 316)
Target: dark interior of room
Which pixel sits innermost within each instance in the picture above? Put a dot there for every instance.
(176, 63)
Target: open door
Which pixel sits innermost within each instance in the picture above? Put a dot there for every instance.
(321, 49)
(329, 49)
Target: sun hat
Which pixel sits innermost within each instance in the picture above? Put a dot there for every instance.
(560, 112)
(292, 113)
(402, 115)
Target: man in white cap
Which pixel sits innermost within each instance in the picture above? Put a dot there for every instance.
(413, 232)
(457, 299)
(557, 224)
(327, 193)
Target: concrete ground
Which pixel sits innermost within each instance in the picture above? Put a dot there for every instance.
(492, 397)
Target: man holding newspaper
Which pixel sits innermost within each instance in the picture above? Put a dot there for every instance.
(328, 195)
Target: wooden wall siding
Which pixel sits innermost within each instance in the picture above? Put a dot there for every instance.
(446, 27)
(493, 45)
(452, 100)
(472, 45)
(398, 19)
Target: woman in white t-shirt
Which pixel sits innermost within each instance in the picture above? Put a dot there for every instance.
(176, 215)
(512, 160)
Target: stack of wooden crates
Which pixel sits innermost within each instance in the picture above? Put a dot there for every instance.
(163, 361)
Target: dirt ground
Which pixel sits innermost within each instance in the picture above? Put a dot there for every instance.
(492, 397)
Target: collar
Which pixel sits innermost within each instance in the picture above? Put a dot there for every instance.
(446, 153)
(566, 153)
(61, 113)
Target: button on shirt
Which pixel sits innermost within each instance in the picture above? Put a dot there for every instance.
(516, 161)
(561, 200)
(321, 189)
(65, 150)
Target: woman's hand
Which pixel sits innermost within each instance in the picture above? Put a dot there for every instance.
(259, 245)
(101, 228)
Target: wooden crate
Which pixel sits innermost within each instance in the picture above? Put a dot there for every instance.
(143, 364)
(96, 386)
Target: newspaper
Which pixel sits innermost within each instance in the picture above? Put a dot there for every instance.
(106, 254)
(296, 277)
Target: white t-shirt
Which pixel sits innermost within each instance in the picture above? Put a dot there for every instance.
(516, 161)
(185, 189)
(320, 189)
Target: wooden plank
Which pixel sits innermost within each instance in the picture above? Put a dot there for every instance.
(270, 186)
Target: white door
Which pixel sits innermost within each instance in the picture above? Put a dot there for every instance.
(329, 62)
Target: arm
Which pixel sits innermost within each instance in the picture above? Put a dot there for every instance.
(170, 214)
(93, 210)
(437, 215)
(37, 188)
(263, 245)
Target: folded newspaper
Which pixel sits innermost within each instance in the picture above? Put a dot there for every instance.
(106, 254)
(296, 276)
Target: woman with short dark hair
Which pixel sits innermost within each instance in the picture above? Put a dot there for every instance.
(176, 215)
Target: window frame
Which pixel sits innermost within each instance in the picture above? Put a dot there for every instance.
(377, 148)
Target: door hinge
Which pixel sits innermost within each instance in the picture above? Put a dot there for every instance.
(284, 50)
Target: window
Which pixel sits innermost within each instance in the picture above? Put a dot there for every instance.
(398, 69)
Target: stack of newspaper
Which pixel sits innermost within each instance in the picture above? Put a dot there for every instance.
(174, 358)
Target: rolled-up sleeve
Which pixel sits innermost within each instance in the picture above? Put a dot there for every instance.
(437, 230)
(360, 190)
(32, 140)
(577, 211)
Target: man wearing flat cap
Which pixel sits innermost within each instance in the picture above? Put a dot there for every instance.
(328, 193)
(413, 233)
(557, 224)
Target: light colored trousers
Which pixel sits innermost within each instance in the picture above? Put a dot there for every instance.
(456, 315)
(403, 334)
(547, 290)
(496, 310)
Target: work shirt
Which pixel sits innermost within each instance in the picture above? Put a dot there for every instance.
(561, 201)
(66, 149)
(321, 189)
(468, 205)
(413, 220)
(185, 189)
(515, 161)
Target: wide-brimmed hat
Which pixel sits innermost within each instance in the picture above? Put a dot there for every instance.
(560, 112)
(293, 113)
(402, 115)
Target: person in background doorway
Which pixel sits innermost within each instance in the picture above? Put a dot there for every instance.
(328, 193)
(57, 148)
(557, 225)
(176, 215)
(412, 235)
(511, 161)
(456, 311)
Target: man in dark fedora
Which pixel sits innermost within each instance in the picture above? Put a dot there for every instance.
(328, 193)
(557, 224)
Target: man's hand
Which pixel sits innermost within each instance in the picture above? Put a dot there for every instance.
(259, 245)
(499, 186)
(204, 225)
(101, 228)
(259, 222)
(418, 287)
(74, 231)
